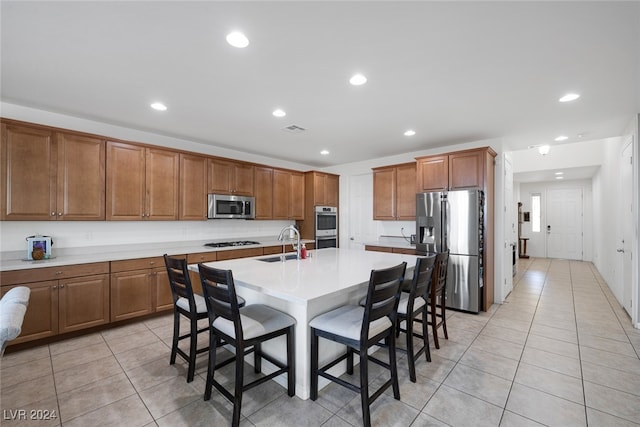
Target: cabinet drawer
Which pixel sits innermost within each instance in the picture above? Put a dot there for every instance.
(239, 253)
(16, 277)
(404, 251)
(377, 248)
(272, 250)
(202, 257)
(137, 264)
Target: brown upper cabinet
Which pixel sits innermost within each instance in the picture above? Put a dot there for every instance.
(453, 171)
(50, 175)
(394, 192)
(142, 182)
(323, 188)
(193, 187)
(288, 194)
(228, 177)
(263, 192)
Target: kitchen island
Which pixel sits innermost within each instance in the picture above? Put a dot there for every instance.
(305, 288)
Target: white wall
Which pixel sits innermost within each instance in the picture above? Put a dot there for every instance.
(536, 246)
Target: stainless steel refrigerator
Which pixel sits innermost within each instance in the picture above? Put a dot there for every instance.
(453, 220)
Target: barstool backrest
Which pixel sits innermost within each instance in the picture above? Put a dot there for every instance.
(382, 296)
(422, 276)
(220, 296)
(439, 281)
(180, 281)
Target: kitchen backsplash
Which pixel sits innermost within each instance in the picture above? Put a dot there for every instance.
(70, 234)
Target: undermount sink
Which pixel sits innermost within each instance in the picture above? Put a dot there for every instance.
(278, 258)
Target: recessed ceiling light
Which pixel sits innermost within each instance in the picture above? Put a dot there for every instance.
(559, 173)
(358, 79)
(279, 113)
(561, 138)
(159, 106)
(569, 97)
(410, 132)
(237, 39)
(559, 177)
(543, 149)
(324, 152)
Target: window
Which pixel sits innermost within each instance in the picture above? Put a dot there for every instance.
(535, 212)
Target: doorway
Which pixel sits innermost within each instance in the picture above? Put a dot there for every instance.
(361, 228)
(564, 223)
(624, 236)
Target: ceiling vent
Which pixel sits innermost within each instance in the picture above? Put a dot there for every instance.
(294, 129)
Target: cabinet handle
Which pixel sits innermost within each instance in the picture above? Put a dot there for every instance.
(53, 214)
(54, 287)
(152, 262)
(59, 213)
(58, 272)
(61, 286)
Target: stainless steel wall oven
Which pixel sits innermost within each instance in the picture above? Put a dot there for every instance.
(326, 225)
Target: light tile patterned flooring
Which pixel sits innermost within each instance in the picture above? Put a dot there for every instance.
(560, 351)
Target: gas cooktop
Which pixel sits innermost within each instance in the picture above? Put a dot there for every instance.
(234, 243)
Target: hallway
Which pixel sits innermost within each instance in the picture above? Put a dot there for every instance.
(560, 351)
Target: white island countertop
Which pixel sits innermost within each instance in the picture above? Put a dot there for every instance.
(304, 289)
(326, 272)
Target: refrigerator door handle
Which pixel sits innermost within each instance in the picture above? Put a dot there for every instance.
(445, 224)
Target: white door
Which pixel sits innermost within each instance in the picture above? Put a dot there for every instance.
(361, 225)
(625, 226)
(510, 227)
(564, 223)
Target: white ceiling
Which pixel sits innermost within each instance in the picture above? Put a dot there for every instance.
(453, 71)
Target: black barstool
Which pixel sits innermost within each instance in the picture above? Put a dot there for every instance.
(413, 304)
(360, 328)
(436, 312)
(245, 329)
(188, 304)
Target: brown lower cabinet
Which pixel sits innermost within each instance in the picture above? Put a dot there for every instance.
(63, 299)
(139, 287)
(390, 250)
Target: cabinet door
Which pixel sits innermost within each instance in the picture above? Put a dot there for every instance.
(296, 207)
(162, 180)
(319, 194)
(406, 192)
(41, 318)
(264, 192)
(163, 298)
(83, 302)
(465, 170)
(193, 187)
(332, 184)
(281, 194)
(433, 173)
(131, 294)
(220, 176)
(125, 181)
(81, 178)
(242, 180)
(29, 161)
(384, 187)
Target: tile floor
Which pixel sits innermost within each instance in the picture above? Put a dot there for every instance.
(560, 351)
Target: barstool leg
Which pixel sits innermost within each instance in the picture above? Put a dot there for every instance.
(291, 362)
(193, 342)
(364, 386)
(410, 354)
(314, 365)
(257, 358)
(394, 367)
(237, 398)
(425, 335)
(213, 347)
(176, 334)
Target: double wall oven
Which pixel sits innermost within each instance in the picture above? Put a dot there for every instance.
(326, 220)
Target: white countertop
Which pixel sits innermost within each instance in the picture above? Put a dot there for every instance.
(328, 271)
(391, 242)
(15, 260)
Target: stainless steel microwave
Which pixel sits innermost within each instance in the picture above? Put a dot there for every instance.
(225, 206)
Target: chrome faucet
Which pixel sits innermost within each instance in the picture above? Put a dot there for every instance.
(295, 245)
